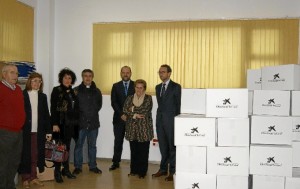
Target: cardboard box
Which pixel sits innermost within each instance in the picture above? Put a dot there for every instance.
(292, 182)
(254, 79)
(232, 182)
(191, 159)
(185, 180)
(250, 102)
(296, 154)
(231, 103)
(233, 132)
(228, 161)
(48, 174)
(296, 129)
(268, 102)
(264, 182)
(195, 130)
(271, 130)
(193, 101)
(283, 77)
(295, 103)
(271, 160)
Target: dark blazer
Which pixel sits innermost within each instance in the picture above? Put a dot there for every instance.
(171, 101)
(44, 128)
(118, 98)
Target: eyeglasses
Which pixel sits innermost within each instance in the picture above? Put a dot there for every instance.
(37, 81)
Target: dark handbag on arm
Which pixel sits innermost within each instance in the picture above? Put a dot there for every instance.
(56, 151)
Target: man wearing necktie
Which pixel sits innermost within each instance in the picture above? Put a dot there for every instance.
(119, 93)
(126, 88)
(168, 95)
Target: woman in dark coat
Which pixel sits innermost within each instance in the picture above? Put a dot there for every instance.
(64, 118)
(36, 129)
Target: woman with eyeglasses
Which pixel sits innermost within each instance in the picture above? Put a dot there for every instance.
(35, 131)
(139, 128)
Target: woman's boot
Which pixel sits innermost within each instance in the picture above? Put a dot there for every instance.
(57, 173)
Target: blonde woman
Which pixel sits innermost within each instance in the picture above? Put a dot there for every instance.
(36, 129)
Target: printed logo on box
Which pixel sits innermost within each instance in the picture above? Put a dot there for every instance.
(271, 131)
(228, 163)
(271, 162)
(271, 103)
(296, 129)
(195, 132)
(195, 185)
(276, 78)
(226, 104)
(258, 82)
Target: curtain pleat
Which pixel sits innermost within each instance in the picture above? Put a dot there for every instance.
(16, 31)
(202, 54)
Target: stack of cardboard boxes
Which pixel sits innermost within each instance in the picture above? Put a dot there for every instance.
(273, 107)
(212, 139)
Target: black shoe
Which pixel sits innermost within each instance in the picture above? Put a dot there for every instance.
(77, 171)
(131, 174)
(57, 176)
(96, 170)
(67, 173)
(142, 176)
(114, 166)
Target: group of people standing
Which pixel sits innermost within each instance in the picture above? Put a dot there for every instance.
(133, 120)
(25, 123)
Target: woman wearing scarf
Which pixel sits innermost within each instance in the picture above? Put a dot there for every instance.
(64, 118)
(139, 128)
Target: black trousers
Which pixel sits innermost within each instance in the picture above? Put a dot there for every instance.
(119, 132)
(139, 152)
(165, 135)
(10, 157)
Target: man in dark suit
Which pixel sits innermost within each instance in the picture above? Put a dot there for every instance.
(168, 95)
(119, 93)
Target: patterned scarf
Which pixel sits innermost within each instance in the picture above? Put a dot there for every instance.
(138, 101)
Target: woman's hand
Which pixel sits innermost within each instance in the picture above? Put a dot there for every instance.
(140, 116)
(56, 128)
(124, 117)
(48, 137)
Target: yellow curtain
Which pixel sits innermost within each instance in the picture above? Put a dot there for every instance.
(16, 31)
(202, 54)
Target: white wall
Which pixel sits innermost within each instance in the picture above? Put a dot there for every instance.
(64, 34)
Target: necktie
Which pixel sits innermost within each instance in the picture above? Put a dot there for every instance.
(163, 90)
(126, 89)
